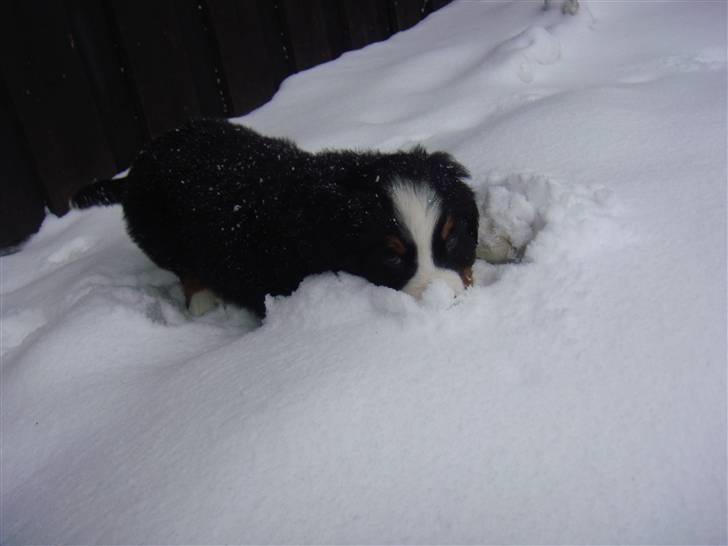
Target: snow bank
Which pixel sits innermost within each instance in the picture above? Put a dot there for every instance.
(577, 396)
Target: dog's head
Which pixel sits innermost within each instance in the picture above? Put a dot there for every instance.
(426, 225)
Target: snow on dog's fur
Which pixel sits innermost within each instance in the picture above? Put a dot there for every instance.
(238, 215)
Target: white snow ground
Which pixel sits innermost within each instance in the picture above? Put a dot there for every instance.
(578, 397)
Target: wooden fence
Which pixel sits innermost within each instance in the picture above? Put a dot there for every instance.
(85, 83)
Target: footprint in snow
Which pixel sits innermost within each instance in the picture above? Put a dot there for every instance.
(522, 52)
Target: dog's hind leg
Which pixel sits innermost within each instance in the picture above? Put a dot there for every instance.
(199, 300)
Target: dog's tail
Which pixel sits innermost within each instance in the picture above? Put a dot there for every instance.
(102, 193)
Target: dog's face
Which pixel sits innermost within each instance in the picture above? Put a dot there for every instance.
(427, 232)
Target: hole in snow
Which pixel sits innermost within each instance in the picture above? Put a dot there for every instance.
(514, 208)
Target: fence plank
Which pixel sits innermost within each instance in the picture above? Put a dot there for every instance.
(305, 22)
(22, 203)
(97, 41)
(437, 4)
(410, 12)
(53, 99)
(366, 22)
(252, 54)
(203, 57)
(154, 45)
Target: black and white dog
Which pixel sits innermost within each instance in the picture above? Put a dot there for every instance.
(237, 215)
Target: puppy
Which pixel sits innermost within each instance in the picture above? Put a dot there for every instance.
(237, 215)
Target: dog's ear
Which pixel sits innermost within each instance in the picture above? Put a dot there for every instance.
(443, 167)
(448, 176)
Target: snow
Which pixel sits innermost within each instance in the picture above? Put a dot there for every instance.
(578, 396)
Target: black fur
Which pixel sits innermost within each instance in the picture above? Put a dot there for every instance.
(249, 215)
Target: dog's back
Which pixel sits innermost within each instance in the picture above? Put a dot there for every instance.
(213, 201)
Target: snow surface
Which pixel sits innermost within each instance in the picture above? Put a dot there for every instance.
(576, 397)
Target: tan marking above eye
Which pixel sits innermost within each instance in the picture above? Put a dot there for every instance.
(396, 245)
(447, 227)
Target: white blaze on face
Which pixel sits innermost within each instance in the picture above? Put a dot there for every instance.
(418, 210)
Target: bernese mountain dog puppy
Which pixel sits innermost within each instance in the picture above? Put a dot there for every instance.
(237, 215)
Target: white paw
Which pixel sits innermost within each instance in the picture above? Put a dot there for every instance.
(497, 248)
(202, 302)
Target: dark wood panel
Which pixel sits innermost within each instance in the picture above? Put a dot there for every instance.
(306, 27)
(437, 4)
(153, 42)
(408, 13)
(53, 99)
(252, 52)
(207, 74)
(97, 42)
(22, 202)
(336, 24)
(366, 22)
